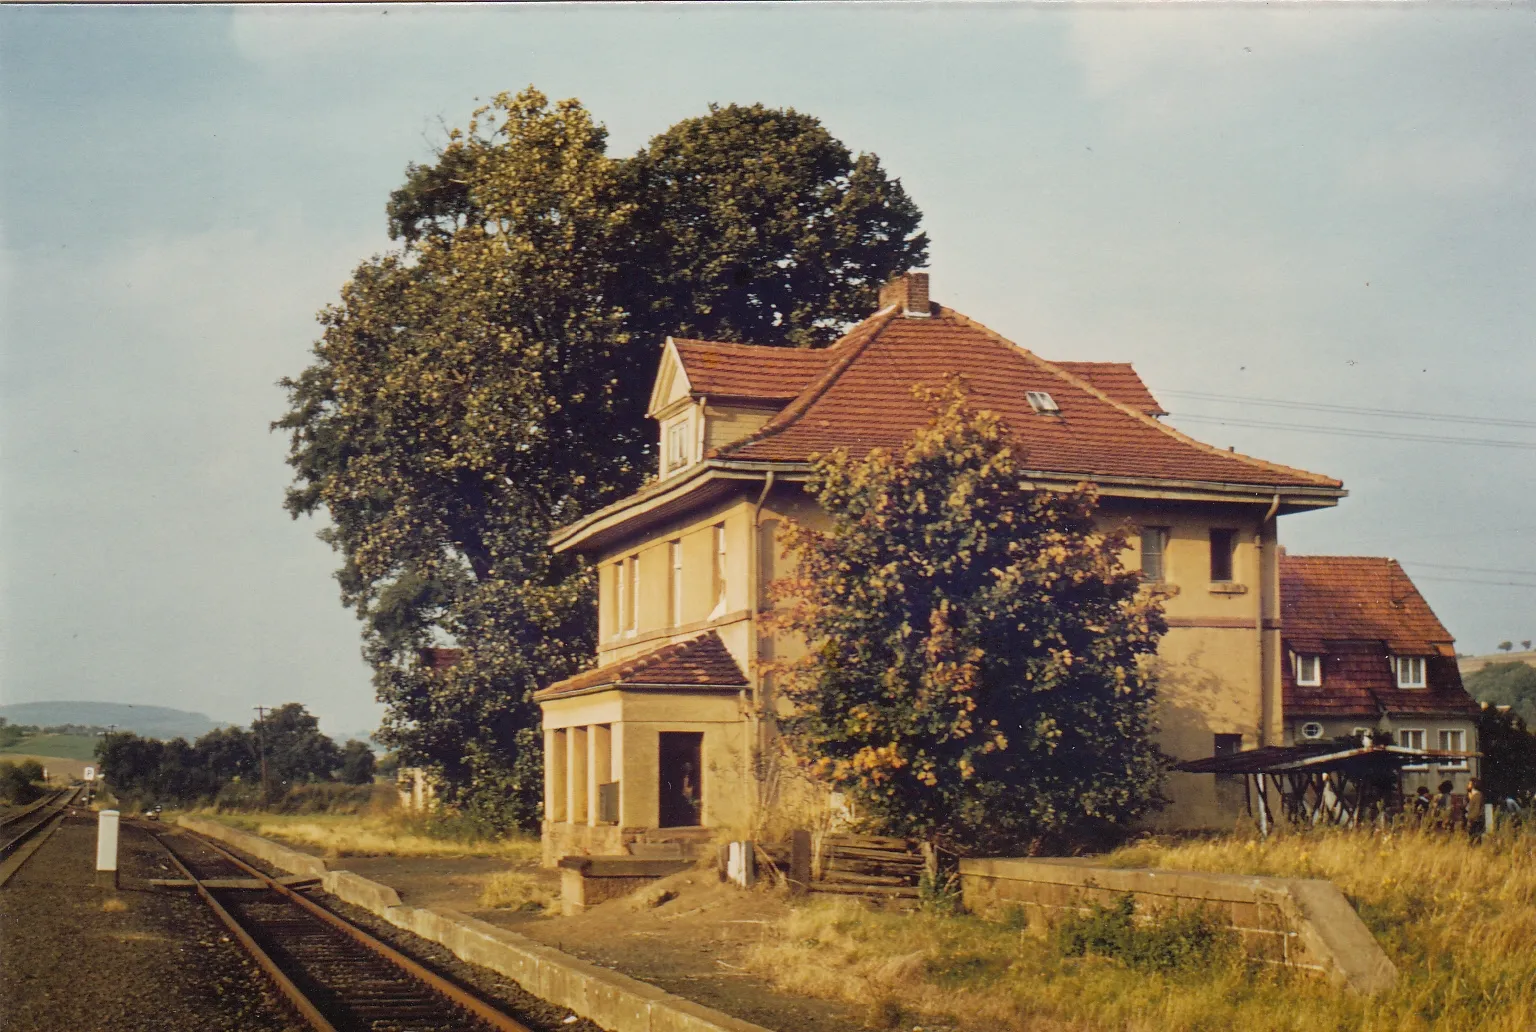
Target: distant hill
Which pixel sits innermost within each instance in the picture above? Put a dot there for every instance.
(149, 721)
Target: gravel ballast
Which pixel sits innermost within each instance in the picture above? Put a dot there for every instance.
(76, 957)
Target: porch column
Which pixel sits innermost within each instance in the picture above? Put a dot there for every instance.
(576, 768)
(554, 774)
(599, 764)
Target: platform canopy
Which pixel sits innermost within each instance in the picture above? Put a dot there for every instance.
(1321, 782)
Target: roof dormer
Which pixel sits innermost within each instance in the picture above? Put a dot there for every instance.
(708, 394)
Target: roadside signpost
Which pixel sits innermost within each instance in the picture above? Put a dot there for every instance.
(90, 774)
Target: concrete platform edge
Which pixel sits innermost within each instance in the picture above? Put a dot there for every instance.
(615, 1001)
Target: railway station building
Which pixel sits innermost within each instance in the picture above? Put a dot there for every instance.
(672, 734)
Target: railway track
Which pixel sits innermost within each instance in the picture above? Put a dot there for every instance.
(335, 975)
(21, 833)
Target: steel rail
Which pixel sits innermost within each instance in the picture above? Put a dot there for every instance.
(285, 985)
(461, 999)
(17, 850)
(41, 810)
(29, 809)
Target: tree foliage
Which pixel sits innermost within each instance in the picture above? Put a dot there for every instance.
(174, 771)
(1509, 754)
(974, 674)
(1506, 684)
(357, 763)
(484, 383)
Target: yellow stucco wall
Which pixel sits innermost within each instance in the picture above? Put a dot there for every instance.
(1217, 667)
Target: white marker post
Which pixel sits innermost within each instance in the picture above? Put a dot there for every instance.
(106, 849)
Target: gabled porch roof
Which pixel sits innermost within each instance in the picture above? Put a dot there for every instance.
(698, 664)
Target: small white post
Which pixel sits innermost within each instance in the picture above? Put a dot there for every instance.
(106, 849)
(739, 866)
(1487, 818)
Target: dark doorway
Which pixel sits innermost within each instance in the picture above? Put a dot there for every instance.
(682, 790)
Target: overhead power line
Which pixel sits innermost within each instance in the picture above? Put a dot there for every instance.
(1469, 580)
(1349, 431)
(1473, 569)
(1357, 410)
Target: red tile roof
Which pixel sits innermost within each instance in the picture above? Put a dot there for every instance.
(438, 658)
(1356, 612)
(1119, 381)
(749, 370)
(862, 399)
(702, 662)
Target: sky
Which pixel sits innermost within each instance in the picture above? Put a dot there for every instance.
(1322, 205)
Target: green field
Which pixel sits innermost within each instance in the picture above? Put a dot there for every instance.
(69, 747)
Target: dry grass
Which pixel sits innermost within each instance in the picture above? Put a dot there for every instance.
(1459, 921)
(518, 890)
(114, 906)
(390, 834)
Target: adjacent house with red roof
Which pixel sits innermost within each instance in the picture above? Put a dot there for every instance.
(1366, 654)
(674, 728)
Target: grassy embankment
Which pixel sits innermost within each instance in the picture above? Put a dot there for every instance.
(404, 834)
(1459, 921)
(388, 833)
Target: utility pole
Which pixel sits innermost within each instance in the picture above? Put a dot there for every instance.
(261, 751)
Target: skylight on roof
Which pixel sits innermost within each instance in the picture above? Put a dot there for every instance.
(1043, 403)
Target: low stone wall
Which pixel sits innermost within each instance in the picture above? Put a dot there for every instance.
(614, 1001)
(586, 881)
(266, 850)
(1299, 922)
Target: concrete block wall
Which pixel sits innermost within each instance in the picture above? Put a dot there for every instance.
(614, 1001)
(1302, 923)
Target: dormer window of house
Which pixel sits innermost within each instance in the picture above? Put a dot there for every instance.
(1309, 671)
(676, 454)
(1410, 671)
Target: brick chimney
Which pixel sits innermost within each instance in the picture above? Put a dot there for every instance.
(909, 292)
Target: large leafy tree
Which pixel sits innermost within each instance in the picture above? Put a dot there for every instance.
(485, 382)
(974, 672)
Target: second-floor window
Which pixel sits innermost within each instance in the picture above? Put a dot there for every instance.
(1410, 671)
(1223, 546)
(675, 589)
(1154, 548)
(1309, 671)
(1412, 738)
(1453, 740)
(629, 593)
(717, 577)
(677, 445)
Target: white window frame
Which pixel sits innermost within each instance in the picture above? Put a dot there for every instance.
(1405, 741)
(1305, 729)
(1410, 663)
(678, 450)
(1316, 680)
(1460, 737)
(718, 570)
(675, 595)
(1161, 536)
